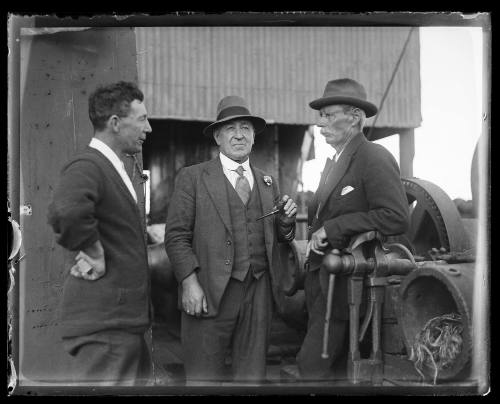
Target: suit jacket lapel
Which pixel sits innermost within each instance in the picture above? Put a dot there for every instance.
(267, 196)
(215, 182)
(339, 170)
(267, 201)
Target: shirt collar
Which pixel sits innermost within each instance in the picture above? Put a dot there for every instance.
(229, 164)
(337, 154)
(107, 151)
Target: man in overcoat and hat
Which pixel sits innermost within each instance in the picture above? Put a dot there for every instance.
(224, 257)
(360, 190)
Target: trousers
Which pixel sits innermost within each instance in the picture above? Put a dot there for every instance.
(309, 361)
(110, 358)
(240, 329)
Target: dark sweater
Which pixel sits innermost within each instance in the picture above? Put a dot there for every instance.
(92, 203)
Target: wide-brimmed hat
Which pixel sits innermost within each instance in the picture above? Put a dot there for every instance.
(345, 91)
(234, 107)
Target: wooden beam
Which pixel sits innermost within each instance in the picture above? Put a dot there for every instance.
(406, 152)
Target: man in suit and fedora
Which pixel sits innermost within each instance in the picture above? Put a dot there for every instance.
(360, 190)
(224, 257)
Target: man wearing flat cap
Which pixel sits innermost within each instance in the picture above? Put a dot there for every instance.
(360, 190)
(224, 257)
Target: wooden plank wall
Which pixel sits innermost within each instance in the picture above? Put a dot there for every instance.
(58, 70)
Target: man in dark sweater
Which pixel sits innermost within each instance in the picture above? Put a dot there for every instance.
(225, 259)
(105, 308)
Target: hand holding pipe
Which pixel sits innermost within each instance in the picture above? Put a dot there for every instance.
(277, 209)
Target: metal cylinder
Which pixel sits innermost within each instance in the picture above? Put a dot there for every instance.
(293, 256)
(162, 274)
(291, 305)
(14, 238)
(163, 288)
(433, 290)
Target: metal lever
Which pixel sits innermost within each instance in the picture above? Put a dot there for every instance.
(331, 285)
(366, 320)
(334, 264)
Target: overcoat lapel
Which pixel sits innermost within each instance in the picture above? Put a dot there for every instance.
(214, 179)
(326, 169)
(313, 205)
(339, 170)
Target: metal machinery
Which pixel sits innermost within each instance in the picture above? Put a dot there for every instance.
(407, 281)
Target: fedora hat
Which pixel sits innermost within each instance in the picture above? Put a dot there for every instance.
(234, 107)
(345, 91)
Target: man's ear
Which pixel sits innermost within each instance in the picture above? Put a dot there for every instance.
(216, 136)
(114, 123)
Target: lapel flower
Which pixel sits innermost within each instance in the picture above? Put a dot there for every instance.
(268, 180)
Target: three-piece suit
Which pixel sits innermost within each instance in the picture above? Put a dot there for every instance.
(210, 231)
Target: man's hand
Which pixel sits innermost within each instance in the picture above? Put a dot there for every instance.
(318, 242)
(87, 267)
(287, 214)
(90, 264)
(194, 301)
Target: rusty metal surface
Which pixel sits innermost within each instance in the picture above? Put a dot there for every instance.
(433, 290)
(185, 71)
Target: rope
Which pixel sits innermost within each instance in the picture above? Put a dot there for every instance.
(438, 344)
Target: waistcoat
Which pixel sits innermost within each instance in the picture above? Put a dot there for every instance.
(248, 234)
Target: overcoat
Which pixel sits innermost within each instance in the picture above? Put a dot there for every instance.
(361, 192)
(199, 235)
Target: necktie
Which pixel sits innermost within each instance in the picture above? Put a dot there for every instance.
(242, 186)
(322, 186)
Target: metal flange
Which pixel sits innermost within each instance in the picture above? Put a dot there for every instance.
(434, 219)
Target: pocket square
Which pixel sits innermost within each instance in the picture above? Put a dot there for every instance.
(346, 190)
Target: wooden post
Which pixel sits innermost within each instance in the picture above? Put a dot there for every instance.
(406, 152)
(276, 153)
(60, 68)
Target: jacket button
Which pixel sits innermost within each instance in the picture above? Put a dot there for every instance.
(228, 262)
(228, 242)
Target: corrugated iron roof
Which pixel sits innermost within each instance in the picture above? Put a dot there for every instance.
(185, 71)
